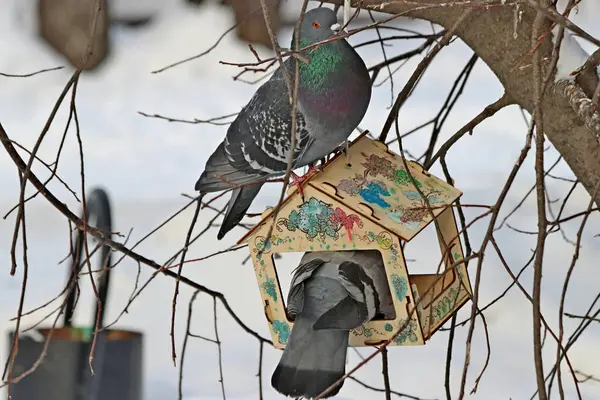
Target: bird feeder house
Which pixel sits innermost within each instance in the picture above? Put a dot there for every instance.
(371, 200)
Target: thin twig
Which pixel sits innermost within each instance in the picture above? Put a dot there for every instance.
(386, 374)
(486, 113)
(185, 342)
(27, 75)
(218, 342)
(541, 207)
(416, 75)
(195, 121)
(563, 295)
(100, 235)
(293, 91)
(259, 374)
(382, 390)
(487, 238)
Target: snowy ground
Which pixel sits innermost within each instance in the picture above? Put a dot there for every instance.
(147, 163)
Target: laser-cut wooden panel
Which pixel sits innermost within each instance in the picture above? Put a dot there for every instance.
(372, 204)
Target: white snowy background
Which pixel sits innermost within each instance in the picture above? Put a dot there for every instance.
(147, 163)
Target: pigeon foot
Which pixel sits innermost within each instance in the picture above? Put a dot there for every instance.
(299, 180)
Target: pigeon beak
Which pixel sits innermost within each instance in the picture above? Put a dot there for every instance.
(336, 27)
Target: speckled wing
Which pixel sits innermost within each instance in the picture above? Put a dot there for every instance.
(302, 273)
(260, 137)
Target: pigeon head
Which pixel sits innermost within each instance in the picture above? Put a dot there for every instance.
(318, 24)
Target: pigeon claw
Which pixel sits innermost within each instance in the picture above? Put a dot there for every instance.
(299, 180)
(313, 170)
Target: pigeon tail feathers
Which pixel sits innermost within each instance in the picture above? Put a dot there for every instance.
(221, 175)
(239, 202)
(312, 361)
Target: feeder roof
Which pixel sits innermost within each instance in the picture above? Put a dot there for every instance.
(376, 184)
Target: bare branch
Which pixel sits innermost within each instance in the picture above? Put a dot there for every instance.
(211, 121)
(27, 75)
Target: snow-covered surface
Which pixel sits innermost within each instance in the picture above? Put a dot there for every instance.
(571, 55)
(147, 163)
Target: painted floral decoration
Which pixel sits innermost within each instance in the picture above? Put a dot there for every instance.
(282, 329)
(263, 246)
(317, 218)
(446, 303)
(408, 333)
(269, 287)
(400, 286)
(378, 192)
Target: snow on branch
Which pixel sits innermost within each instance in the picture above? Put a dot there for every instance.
(581, 104)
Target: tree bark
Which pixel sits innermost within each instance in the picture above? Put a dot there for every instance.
(504, 43)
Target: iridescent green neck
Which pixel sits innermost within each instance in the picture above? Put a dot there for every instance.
(324, 60)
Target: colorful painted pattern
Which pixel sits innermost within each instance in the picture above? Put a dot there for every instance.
(282, 329)
(431, 316)
(400, 286)
(408, 333)
(382, 184)
(263, 246)
(384, 240)
(269, 287)
(366, 332)
(317, 218)
(446, 304)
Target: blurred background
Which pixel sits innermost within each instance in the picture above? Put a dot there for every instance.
(147, 163)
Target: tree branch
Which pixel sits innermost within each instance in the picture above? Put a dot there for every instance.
(503, 43)
(102, 238)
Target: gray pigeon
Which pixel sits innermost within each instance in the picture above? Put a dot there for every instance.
(330, 294)
(334, 93)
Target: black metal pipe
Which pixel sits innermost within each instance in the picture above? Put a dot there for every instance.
(98, 209)
(65, 373)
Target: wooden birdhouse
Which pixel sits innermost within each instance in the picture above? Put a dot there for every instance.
(379, 201)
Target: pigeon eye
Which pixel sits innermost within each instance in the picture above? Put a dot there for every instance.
(315, 24)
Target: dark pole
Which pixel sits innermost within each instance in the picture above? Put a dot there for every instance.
(98, 209)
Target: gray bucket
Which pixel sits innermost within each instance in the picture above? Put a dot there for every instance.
(64, 373)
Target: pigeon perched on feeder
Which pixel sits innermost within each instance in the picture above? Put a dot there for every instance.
(333, 96)
(331, 293)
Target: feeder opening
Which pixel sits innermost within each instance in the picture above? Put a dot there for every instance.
(422, 253)
(285, 267)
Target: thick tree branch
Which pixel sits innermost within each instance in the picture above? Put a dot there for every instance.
(504, 44)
